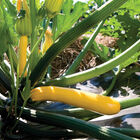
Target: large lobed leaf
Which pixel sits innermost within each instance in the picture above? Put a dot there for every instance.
(124, 24)
(3, 41)
(7, 34)
(133, 5)
(70, 14)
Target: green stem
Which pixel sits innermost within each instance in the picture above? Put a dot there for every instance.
(73, 124)
(79, 113)
(41, 36)
(100, 14)
(30, 114)
(19, 116)
(54, 27)
(12, 82)
(108, 90)
(129, 71)
(12, 65)
(14, 57)
(16, 92)
(127, 131)
(79, 58)
(46, 133)
(17, 87)
(48, 76)
(130, 103)
(96, 71)
(33, 20)
(111, 86)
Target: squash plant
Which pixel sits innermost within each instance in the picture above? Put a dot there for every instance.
(23, 82)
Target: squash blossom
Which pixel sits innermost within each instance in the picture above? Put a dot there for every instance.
(18, 5)
(53, 7)
(48, 41)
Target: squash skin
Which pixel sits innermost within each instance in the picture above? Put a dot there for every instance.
(90, 101)
(48, 41)
(22, 54)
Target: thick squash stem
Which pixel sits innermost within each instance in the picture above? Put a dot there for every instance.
(22, 54)
(87, 100)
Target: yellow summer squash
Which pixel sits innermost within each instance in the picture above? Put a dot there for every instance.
(48, 41)
(22, 54)
(24, 29)
(90, 101)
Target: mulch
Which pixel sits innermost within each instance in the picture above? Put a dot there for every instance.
(65, 58)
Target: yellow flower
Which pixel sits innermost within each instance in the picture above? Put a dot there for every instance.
(53, 7)
(48, 41)
(22, 4)
(23, 24)
(18, 5)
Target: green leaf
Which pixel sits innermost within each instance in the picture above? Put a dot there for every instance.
(3, 46)
(104, 53)
(14, 1)
(131, 28)
(26, 90)
(11, 8)
(124, 25)
(132, 59)
(4, 80)
(70, 14)
(2, 22)
(133, 5)
(7, 33)
(99, 2)
(39, 3)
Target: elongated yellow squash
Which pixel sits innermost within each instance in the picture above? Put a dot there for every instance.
(23, 27)
(22, 54)
(48, 41)
(90, 101)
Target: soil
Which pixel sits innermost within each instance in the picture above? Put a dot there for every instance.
(65, 59)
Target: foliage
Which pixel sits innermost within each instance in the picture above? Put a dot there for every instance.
(124, 24)
(6, 30)
(103, 52)
(70, 14)
(132, 5)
